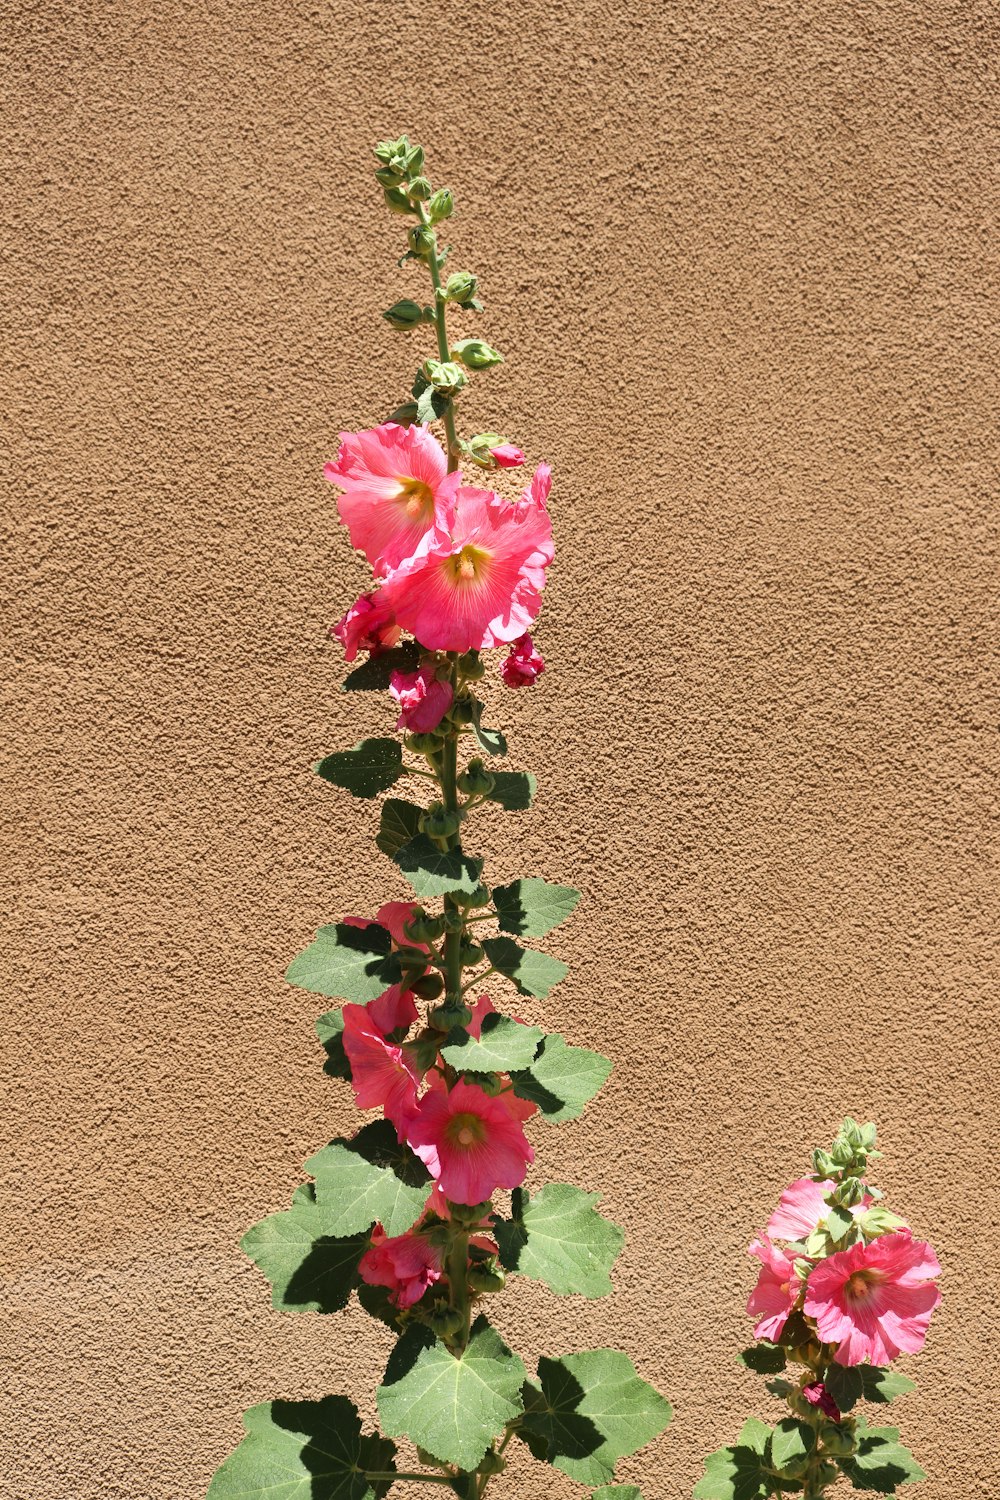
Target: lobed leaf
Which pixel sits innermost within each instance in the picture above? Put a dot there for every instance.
(588, 1411)
(503, 1046)
(346, 963)
(514, 790)
(304, 1450)
(763, 1358)
(531, 908)
(434, 872)
(791, 1442)
(531, 973)
(330, 1030)
(558, 1238)
(562, 1079)
(371, 767)
(369, 1179)
(399, 823)
(737, 1473)
(849, 1384)
(310, 1270)
(881, 1462)
(453, 1408)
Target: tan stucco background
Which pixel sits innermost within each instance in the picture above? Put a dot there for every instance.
(737, 257)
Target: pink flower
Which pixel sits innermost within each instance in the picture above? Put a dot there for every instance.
(423, 699)
(382, 1074)
(470, 1142)
(477, 584)
(776, 1292)
(407, 1264)
(523, 664)
(799, 1210)
(817, 1394)
(394, 1008)
(507, 456)
(396, 487)
(875, 1300)
(367, 626)
(393, 916)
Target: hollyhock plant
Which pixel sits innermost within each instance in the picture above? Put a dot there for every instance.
(850, 1291)
(404, 1215)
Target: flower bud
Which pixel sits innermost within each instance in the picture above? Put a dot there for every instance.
(836, 1441)
(471, 953)
(397, 201)
(404, 314)
(471, 666)
(476, 354)
(462, 711)
(446, 1322)
(481, 896)
(823, 1163)
(423, 1050)
(447, 1017)
(460, 286)
(428, 987)
(438, 823)
(421, 241)
(388, 178)
(454, 921)
(475, 780)
(441, 205)
(387, 151)
(414, 159)
(490, 1083)
(422, 928)
(424, 744)
(849, 1192)
(468, 1215)
(487, 1278)
(419, 190)
(444, 375)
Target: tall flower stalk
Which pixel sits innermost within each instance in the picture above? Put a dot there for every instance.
(843, 1289)
(405, 1214)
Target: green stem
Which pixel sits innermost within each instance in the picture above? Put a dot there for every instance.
(444, 353)
(458, 1282)
(419, 1478)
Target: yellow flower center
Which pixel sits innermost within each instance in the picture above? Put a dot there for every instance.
(466, 1130)
(466, 567)
(859, 1286)
(417, 499)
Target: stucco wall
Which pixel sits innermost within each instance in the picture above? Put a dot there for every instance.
(737, 258)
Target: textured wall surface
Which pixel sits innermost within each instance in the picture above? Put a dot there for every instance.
(737, 257)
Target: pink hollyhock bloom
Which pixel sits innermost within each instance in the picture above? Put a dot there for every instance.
(367, 626)
(470, 1142)
(395, 1007)
(875, 1301)
(423, 699)
(776, 1292)
(478, 584)
(507, 456)
(396, 487)
(817, 1394)
(382, 1074)
(523, 664)
(799, 1210)
(405, 1263)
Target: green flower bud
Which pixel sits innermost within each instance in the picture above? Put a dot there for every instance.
(454, 921)
(447, 1017)
(445, 375)
(827, 1472)
(475, 780)
(421, 242)
(446, 1322)
(849, 1192)
(481, 896)
(428, 987)
(405, 314)
(823, 1163)
(423, 1050)
(386, 151)
(468, 1215)
(441, 205)
(462, 711)
(478, 448)
(472, 953)
(476, 354)
(423, 743)
(471, 666)
(419, 190)
(438, 823)
(487, 1279)
(490, 1083)
(397, 201)
(414, 160)
(836, 1441)
(388, 178)
(460, 287)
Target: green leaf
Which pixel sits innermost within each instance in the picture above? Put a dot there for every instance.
(374, 674)
(562, 1079)
(882, 1462)
(754, 1434)
(839, 1221)
(737, 1473)
(556, 1237)
(617, 1492)
(330, 1030)
(591, 1410)
(763, 1358)
(503, 1045)
(848, 1384)
(531, 908)
(346, 963)
(371, 767)
(514, 790)
(434, 872)
(304, 1450)
(452, 1407)
(791, 1442)
(400, 822)
(531, 973)
(369, 1179)
(309, 1269)
(490, 740)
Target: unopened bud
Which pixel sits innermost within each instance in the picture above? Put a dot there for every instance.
(444, 375)
(428, 987)
(472, 953)
(487, 1279)
(419, 190)
(412, 959)
(405, 314)
(471, 666)
(476, 354)
(388, 178)
(424, 744)
(438, 823)
(475, 780)
(397, 201)
(446, 1322)
(481, 896)
(447, 1017)
(440, 205)
(462, 711)
(460, 286)
(421, 241)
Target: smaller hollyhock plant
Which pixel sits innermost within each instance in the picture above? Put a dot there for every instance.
(848, 1291)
